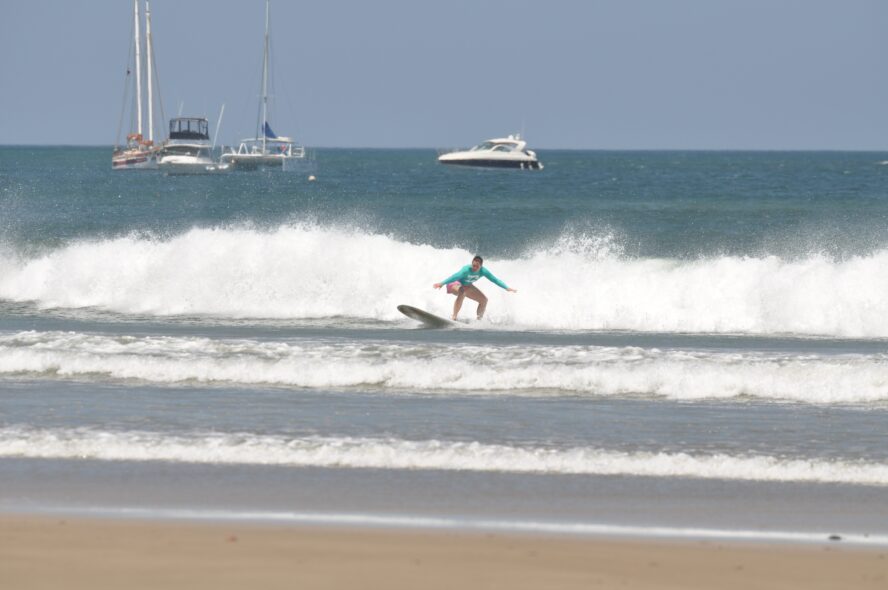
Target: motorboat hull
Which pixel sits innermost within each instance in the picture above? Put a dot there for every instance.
(181, 166)
(478, 163)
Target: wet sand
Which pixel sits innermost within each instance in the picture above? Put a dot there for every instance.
(55, 552)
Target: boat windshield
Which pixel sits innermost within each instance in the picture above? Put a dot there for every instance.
(487, 145)
(189, 128)
(494, 146)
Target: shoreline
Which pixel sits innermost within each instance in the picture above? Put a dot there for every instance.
(78, 552)
(460, 525)
(411, 500)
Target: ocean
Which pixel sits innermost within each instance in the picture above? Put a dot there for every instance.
(698, 345)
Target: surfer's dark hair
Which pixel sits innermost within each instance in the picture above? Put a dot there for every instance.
(479, 259)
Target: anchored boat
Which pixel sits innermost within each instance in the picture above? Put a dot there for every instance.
(506, 152)
(188, 149)
(266, 149)
(139, 153)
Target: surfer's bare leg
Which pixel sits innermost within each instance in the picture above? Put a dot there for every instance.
(458, 303)
(475, 294)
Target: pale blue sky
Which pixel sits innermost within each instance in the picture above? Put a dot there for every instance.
(605, 74)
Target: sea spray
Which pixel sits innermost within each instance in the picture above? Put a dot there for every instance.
(576, 283)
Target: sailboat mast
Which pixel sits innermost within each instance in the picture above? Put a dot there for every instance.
(138, 41)
(149, 51)
(265, 81)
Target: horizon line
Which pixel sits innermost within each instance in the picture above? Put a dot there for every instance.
(560, 149)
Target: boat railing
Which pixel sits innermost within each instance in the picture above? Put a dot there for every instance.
(253, 147)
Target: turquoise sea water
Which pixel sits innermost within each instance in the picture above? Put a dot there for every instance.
(690, 329)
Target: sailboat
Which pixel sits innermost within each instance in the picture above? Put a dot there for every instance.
(139, 153)
(266, 149)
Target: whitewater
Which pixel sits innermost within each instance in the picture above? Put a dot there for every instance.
(423, 367)
(363, 453)
(575, 282)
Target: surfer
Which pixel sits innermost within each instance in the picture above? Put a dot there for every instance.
(460, 284)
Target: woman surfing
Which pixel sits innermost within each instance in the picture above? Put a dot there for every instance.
(461, 285)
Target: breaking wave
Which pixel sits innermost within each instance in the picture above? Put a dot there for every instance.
(418, 367)
(579, 282)
(349, 452)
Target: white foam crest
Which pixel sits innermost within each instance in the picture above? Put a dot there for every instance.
(429, 367)
(729, 294)
(298, 271)
(580, 282)
(391, 453)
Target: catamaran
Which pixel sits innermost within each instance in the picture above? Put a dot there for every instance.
(139, 151)
(266, 149)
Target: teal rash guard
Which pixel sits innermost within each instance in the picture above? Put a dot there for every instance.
(465, 276)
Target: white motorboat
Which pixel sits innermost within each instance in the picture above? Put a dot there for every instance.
(506, 152)
(266, 149)
(139, 153)
(188, 149)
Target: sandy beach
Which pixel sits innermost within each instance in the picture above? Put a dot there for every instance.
(55, 552)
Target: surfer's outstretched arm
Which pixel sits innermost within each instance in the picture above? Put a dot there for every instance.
(496, 281)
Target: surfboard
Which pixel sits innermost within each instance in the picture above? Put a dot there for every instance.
(428, 319)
